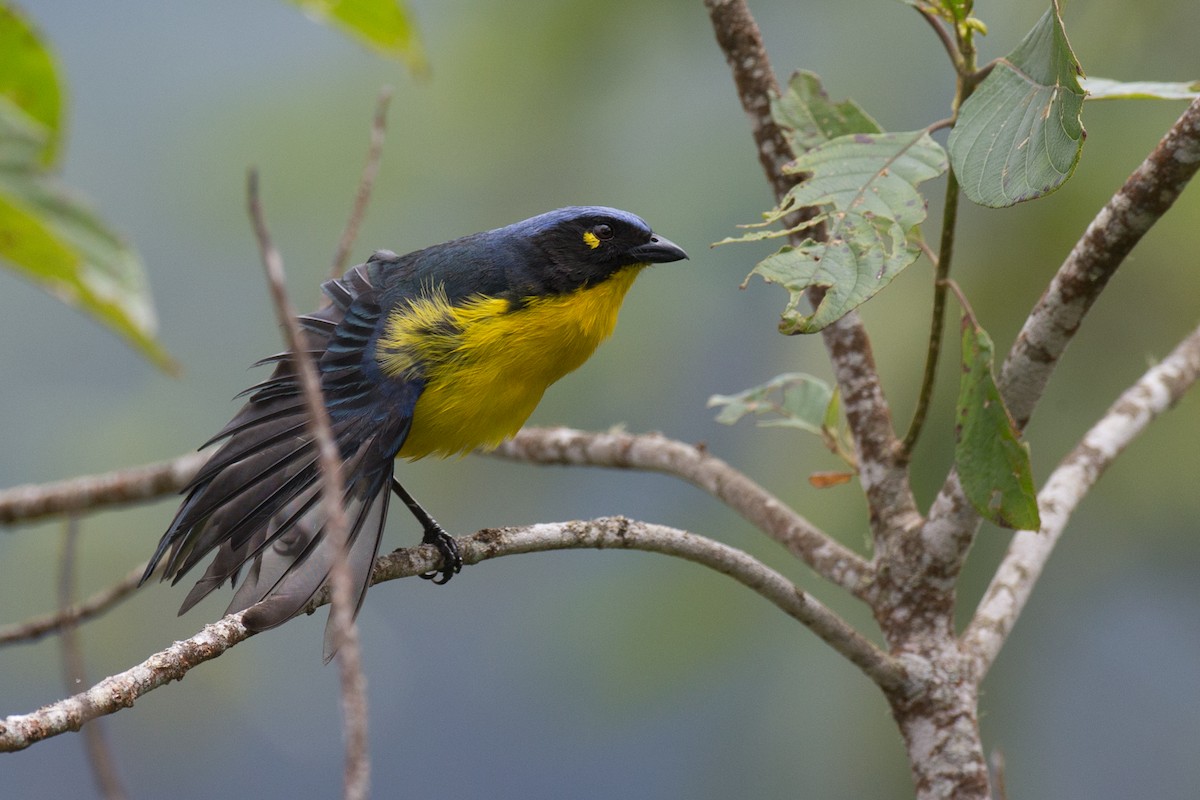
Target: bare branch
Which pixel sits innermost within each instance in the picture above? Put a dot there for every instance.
(366, 183)
(353, 682)
(93, 492)
(695, 465)
(1155, 392)
(100, 755)
(122, 690)
(34, 628)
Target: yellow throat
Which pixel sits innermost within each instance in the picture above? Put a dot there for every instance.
(487, 362)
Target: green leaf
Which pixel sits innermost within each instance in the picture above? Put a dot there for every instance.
(54, 240)
(1019, 136)
(795, 399)
(46, 234)
(30, 99)
(386, 26)
(992, 461)
(1106, 89)
(866, 187)
(809, 118)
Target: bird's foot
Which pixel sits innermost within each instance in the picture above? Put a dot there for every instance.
(452, 562)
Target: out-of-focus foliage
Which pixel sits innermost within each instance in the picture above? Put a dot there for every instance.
(1108, 89)
(47, 233)
(386, 26)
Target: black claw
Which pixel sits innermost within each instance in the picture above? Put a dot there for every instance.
(451, 558)
(435, 535)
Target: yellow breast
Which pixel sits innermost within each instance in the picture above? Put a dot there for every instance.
(486, 363)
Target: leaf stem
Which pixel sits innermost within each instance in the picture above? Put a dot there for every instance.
(963, 54)
(938, 315)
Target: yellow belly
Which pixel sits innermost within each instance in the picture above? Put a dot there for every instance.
(486, 372)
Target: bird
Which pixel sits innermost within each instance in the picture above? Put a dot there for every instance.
(438, 352)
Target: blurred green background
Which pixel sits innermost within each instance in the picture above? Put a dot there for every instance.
(589, 674)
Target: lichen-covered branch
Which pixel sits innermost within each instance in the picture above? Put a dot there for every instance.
(34, 502)
(621, 533)
(122, 690)
(1154, 393)
(1145, 197)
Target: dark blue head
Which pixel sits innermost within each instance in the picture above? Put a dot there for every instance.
(583, 245)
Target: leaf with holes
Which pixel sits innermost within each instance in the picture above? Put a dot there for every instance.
(797, 400)
(866, 188)
(992, 461)
(1019, 136)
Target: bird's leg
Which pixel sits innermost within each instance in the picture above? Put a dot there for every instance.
(435, 535)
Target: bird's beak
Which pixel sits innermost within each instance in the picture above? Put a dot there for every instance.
(659, 250)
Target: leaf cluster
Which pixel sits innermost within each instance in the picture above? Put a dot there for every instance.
(1016, 134)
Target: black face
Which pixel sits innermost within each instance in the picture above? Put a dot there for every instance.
(584, 246)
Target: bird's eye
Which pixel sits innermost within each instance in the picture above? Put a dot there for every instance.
(603, 231)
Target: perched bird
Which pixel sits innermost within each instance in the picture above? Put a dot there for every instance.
(437, 352)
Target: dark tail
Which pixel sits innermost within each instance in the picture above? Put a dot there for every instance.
(257, 502)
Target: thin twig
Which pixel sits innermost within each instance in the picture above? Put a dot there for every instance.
(353, 682)
(366, 183)
(122, 690)
(1154, 393)
(93, 492)
(99, 754)
(695, 465)
(34, 628)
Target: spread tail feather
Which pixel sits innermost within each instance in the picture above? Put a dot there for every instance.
(257, 501)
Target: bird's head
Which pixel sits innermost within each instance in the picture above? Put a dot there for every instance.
(584, 245)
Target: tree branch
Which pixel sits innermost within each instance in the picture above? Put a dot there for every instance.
(1154, 393)
(1146, 195)
(335, 528)
(32, 502)
(99, 754)
(34, 628)
(122, 690)
(366, 184)
(654, 452)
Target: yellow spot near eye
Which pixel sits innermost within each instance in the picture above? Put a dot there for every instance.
(590, 240)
